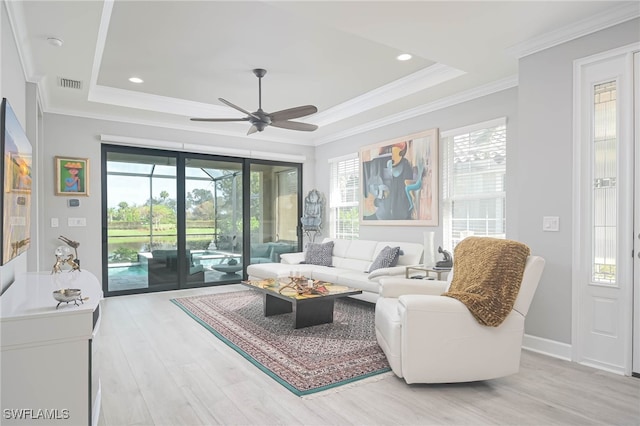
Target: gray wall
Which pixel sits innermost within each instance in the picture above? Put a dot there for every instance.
(497, 105)
(545, 108)
(80, 137)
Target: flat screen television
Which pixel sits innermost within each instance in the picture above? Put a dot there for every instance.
(17, 176)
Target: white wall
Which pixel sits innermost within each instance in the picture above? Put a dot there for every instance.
(80, 137)
(545, 108)
(500, 104)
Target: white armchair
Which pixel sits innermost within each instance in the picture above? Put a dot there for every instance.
(429, 338)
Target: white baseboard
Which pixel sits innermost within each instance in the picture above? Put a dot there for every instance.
(547, 347)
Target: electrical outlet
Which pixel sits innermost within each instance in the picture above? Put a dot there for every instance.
(54, 222)
(77, 221)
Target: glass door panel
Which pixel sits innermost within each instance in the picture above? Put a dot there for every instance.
(141, 222)
(274, 211)
(213, 221)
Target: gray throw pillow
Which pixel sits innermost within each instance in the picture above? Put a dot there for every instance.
(385, 258)
(394, 262)
(319, 254)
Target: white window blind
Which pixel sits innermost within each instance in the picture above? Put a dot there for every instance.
(473, 176)
(344, 197)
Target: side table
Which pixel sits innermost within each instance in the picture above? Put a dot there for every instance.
(427, 269)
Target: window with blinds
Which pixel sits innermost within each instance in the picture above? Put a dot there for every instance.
(343, 200)
(473, 176)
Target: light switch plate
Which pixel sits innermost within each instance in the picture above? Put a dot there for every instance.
(54, 222)
(551, 223)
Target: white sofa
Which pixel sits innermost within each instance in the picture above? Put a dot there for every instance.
(350, 261)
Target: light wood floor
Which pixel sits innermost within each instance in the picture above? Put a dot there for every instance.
(159, 367)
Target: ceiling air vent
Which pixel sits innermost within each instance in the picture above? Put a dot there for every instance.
(69, 84)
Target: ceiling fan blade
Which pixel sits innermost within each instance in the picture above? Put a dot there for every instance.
(238, 108)
(252, 129)
(295, 125)
(220, 119)
(297, 112)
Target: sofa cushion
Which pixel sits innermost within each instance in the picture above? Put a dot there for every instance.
(340, 247)
(385, 258)
(387, 272)
(330, 275)
(292, 258)
(319, 254)
(358, 280)
(362, 250)
(261, 250)
(277, 270)
(351, 264)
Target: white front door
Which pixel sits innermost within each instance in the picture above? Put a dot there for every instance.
(603, 203)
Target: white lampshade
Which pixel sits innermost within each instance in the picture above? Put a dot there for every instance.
(429, 249)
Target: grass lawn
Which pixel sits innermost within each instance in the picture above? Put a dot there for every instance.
(136, 235)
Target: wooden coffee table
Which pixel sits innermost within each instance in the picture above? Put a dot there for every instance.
(308, 309)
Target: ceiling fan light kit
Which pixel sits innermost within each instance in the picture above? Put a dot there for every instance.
(260, 120)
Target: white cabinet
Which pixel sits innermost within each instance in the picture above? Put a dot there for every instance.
(48, 372)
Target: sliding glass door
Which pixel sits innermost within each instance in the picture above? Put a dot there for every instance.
(141, 222)
(275, 210)
(176, 220)
(213, 220)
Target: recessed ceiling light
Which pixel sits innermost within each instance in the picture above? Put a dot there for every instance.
(136, 80)
(55, 41)
(404, 57)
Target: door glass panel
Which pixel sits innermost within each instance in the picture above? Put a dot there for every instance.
(141, 222)
(274, 212)
(605, 169)
(213, 214)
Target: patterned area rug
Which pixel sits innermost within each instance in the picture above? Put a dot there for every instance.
(305, 361)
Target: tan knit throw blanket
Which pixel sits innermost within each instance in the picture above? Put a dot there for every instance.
(487, 276)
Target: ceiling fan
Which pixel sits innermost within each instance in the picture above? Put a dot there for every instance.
(260, 120)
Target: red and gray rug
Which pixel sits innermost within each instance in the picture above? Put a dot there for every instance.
(305, 361)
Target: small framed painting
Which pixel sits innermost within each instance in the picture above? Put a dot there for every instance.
(72, 176)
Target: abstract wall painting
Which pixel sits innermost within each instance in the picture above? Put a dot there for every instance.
(400, 181)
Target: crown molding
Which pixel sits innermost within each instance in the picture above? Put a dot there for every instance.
(16, 22)
(420, 80)
(209, 149)
(477, 92)
(157, 103)
(103, 29)
(614, 16)
(16, 19)
(186, 127)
